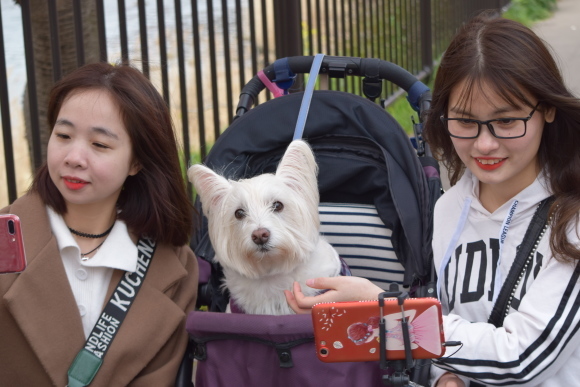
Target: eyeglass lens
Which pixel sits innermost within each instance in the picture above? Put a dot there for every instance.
(506, 128)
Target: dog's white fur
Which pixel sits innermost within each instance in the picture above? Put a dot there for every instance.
(256, 274)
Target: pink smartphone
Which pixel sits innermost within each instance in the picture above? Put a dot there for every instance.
(349, 331)
(12, 256)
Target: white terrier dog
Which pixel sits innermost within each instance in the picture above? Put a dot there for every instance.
(265, 230)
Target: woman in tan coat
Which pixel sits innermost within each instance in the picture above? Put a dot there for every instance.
(106, 217)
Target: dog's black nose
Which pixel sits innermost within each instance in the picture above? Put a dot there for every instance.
(261, 236)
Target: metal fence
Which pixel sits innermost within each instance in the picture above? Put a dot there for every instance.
(198, 53)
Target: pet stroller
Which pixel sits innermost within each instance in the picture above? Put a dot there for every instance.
(377, 193)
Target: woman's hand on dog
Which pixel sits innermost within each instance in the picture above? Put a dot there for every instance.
(450, 380)
(343, 288)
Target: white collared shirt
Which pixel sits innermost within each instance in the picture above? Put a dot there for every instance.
(89, 280)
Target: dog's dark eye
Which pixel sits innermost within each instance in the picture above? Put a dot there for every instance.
(277, 206)
(240, 214)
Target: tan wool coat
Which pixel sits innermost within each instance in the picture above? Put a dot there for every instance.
(40, 325)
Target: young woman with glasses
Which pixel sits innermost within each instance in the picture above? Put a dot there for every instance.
(507, 128)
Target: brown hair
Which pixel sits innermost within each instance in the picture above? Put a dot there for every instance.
(154, 202)
(516, 63)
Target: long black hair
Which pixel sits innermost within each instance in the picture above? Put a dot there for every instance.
(516, 63)
(154, 202)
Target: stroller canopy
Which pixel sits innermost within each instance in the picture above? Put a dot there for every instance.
(363, 155)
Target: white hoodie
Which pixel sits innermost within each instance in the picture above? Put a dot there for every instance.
(539, 343)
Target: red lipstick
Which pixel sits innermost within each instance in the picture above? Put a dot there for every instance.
(74, 183)
(489, 167)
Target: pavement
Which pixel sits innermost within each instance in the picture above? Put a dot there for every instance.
(562, 32)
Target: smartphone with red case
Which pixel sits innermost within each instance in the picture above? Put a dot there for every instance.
(12, 256)
(349, 331)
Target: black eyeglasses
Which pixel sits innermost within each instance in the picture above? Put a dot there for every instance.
(508, 127)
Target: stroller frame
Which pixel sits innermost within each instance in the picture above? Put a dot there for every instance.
(281, 74)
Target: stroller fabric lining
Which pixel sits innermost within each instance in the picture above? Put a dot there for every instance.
(361, 238)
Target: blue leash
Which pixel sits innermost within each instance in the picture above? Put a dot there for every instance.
(307, 98)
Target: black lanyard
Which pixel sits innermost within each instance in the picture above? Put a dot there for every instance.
(524, 256)
(90, 358)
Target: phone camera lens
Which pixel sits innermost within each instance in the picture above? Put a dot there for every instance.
(11, 227)
(324, 352)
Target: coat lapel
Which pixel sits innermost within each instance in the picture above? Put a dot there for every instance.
(152, 319)
(40, 299)
(42, 303)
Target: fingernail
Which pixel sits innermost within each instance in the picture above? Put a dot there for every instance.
(310, 282)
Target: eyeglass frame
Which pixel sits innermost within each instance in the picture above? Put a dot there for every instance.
(487, 123)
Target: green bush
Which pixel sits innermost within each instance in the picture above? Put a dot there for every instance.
(529, 11)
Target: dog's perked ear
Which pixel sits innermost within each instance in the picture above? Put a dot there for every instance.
(298, 168)
(210, 186)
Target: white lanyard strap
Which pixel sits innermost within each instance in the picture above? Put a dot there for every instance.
(502, 235)
(453, 243)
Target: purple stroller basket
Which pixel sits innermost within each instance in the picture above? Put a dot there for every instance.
(257, 350)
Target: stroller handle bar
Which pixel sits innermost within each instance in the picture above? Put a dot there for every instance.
(284, 70)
